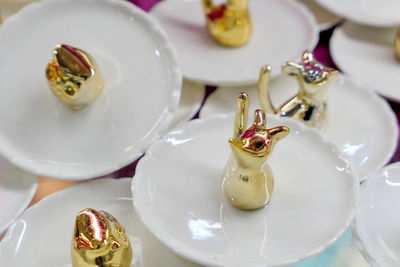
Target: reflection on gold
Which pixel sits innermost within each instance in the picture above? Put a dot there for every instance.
(73, 76)
(228, 24)
(99, 240)
(309, 105)
(248, 181)
(397, 44)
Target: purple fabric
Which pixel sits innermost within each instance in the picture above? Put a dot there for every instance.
(144, 4)
(321, 53)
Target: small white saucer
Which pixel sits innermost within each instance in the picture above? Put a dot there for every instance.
(282, 30)
(382, 13)
(325, 18)
(42, 236)
(376, 225)
(177, 193)
(368, 55)
(41, 134)
(191, 99)
(360, 122)
(17, 189)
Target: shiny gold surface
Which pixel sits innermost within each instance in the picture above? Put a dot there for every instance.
(247, 180)
(99, 240)
(228, 24)
(397, 44)
(73, 76)
(309, 105)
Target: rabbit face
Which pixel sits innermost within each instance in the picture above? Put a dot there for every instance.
(73, 77)
(315, 78)
(99, 240)
(257, 142)
(68, 70)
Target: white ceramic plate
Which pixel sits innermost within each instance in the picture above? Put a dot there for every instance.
(282, 30)
(376, 224)
(360, 122)
(325, 18)
(178, 195)
(367, 54)
(191, 99)
(142, 88)
(17, 189)
(344, 253)
(371, 12)
(48, 225)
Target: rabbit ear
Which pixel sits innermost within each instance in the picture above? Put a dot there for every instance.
(207, 4)
(291, 68)
(242, 108)
(260, 118)
(278, 133)
(308, 56)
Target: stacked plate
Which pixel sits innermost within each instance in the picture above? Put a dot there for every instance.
(155, 69)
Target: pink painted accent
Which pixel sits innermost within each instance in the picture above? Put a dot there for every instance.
(217, 13)
(73, 50)
(146, 5)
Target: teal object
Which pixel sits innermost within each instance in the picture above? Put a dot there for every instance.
(343, 253)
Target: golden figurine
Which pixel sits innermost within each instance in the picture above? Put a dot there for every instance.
(99, 240)
(229, 24)
(397, 44)
(73, 76)
(248, 180)
(309, 105)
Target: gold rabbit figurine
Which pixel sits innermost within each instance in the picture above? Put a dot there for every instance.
(309, 105)
(73, 76)
(99, 240)
(248, 180)
(229, 24)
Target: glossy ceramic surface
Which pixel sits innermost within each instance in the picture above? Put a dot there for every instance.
(17, 189)
(325, 18)
(54, 216)
(376, 222)
(204, 60)
(182, 203)
(368, 54)
(356, 117)
(344, 253)
(142, 88)
(381, 13)
(190, 102)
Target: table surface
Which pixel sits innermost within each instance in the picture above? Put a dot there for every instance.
(48, 185)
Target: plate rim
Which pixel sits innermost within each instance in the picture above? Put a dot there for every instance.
(390, 116)
(161, 125)
(357, 224)
(301, 9)
(150, 224)
(334, 51)
(361, 20)
(49, 198)
(27, 200)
